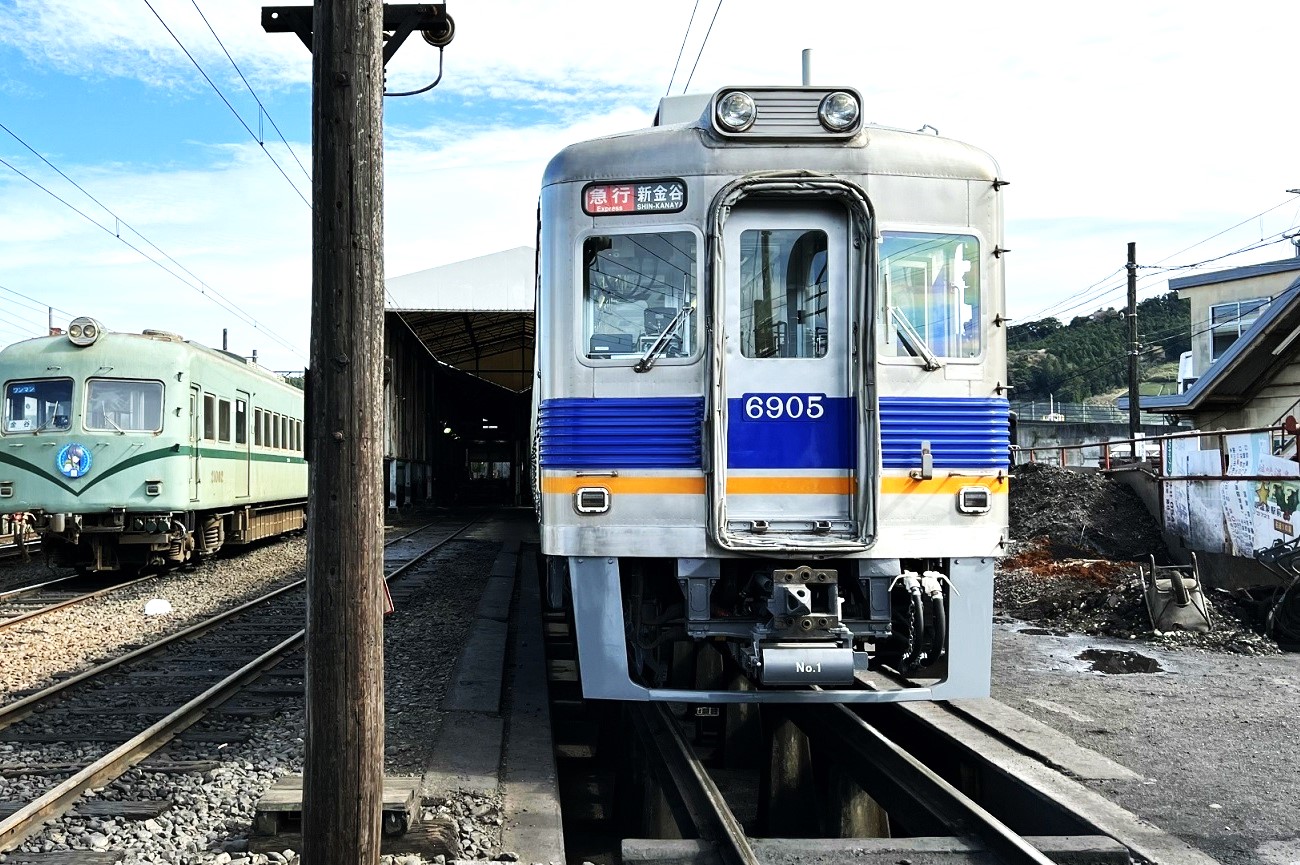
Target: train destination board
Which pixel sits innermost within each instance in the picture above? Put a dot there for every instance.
(647, 196)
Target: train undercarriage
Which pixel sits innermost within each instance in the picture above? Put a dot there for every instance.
(124, 541)
(780, 624)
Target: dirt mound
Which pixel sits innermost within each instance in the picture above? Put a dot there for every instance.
(1082, 515)
(1105, 599)
(1074, 566)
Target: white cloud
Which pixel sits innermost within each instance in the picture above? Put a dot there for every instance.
(1162, 130)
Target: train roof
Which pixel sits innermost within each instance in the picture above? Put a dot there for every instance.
(664, 150)
(161, 344)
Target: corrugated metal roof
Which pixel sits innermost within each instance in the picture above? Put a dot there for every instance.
(475, 315)
(499, 282)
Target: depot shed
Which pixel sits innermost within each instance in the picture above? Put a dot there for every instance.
(458, 380)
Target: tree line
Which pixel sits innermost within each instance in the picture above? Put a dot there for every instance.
(1089, 356)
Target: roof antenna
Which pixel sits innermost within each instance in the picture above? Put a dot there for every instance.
(807, 67)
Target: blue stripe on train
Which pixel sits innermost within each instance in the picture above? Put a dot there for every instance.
(621, 432)
(963, 432)
(666, 433)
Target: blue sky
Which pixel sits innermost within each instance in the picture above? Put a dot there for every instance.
(1161, 123)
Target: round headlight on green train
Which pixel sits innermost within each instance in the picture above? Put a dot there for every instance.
(736, 111)
(839, 111)
(84, 331)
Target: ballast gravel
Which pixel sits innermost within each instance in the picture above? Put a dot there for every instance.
(210, 816)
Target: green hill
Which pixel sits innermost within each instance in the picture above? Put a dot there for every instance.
(1088, 358)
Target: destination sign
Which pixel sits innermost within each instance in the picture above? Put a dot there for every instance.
(644, 196)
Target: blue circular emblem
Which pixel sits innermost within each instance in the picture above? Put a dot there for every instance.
(74, 461)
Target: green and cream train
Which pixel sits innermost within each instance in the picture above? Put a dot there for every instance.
(131, 450)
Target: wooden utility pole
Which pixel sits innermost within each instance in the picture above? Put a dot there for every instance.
(343, 783)
(1134, 410)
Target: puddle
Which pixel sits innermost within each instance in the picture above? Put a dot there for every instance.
(1112, 661)
(1043, 632)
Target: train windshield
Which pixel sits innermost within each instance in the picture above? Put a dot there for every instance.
(634, 287)
(123, 405)
(38, 405)
(931, 287)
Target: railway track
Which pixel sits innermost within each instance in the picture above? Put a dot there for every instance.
(743, 784)
(38, 599)
(102, 714)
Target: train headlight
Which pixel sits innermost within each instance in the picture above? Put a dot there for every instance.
(839, 111)
(84, 331)
(736, 111)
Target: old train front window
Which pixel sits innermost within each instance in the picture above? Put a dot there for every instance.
(38, 405)
(931, 289)
(123, 405)
(783, 293)
(639, 291)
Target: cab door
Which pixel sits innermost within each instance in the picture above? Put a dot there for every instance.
(789, 467)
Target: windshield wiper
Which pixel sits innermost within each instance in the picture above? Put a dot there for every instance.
(665, 337)
(109, 421)
(913, 339)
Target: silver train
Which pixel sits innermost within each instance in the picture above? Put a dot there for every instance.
(770, 420)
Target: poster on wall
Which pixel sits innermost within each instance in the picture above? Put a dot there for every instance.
(1243, 452)
(1177, 516)
(1276, 501)
(1206, 529)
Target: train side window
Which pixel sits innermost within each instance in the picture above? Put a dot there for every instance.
(635, 289)
(297, 426)
(284, 432)
(266, 429)
(124, 405)
(37, 405)
(223, 420)
(275, 431)
(930, 285)
(241, 422)
(257, 426)
(209, 417)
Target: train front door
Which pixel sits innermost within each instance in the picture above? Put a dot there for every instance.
(790, 433)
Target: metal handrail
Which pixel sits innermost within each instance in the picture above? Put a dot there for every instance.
(1157, 464)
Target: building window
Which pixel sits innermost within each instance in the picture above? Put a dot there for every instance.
(1228, 321)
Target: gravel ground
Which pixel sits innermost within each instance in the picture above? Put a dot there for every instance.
(211, 814)
(1208, 720)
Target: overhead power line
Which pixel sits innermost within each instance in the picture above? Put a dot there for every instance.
(253, 93)
(1084, 297)
(198, 285)
(682, 49)
(702, 44)
(238, 116)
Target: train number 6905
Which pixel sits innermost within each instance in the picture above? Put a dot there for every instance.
(784, 406)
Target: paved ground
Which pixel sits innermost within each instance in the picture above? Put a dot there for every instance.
(1215, 736)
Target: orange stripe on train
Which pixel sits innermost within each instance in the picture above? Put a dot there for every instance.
(694, 485)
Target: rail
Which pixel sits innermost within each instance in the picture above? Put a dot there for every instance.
(1114, 453)
(58, 800)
